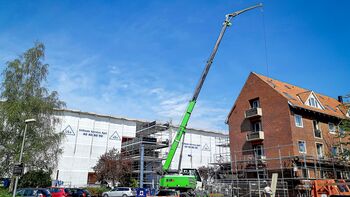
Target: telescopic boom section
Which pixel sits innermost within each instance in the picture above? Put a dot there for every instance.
(186, 117)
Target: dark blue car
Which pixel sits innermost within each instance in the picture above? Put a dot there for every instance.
(33, 192)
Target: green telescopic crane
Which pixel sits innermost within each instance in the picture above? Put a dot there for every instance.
(192, 103)
(188, 181)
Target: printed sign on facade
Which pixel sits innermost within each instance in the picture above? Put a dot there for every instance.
(68, 130)
(92, 133)
(115, 136)
(190, 145)
(206, 147)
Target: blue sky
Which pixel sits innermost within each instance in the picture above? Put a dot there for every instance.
(142, 58)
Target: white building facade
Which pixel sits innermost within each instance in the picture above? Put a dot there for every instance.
(201, 148)
(89, 135)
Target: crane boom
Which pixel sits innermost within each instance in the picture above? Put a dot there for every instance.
(192, 103)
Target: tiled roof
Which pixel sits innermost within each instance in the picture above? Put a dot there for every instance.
(297, 96)
(304, 96)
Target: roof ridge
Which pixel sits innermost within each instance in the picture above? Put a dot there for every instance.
(260, 75)
(305, 92)
(297, 92)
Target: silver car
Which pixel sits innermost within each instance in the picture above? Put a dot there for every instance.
(120, 191)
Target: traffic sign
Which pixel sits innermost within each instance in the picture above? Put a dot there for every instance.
(18, 169)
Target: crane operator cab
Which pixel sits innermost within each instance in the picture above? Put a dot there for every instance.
(195, 173)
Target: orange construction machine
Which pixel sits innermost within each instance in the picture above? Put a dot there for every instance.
(330, 187)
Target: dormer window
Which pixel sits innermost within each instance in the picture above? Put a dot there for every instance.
(312, 101)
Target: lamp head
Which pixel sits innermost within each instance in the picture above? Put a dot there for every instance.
(30, 120)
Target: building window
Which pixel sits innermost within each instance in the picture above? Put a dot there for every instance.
(298, 120)
(341, 132)
(305, 173)
(313, 102)
(259, 151)
(317, 130)
(331, 127)
(334, 151)
(319, 150)
(254, 103)
(302, 146)
(257, 126)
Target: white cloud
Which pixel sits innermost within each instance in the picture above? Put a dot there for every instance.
(123, 88)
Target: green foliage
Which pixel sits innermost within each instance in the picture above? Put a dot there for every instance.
(344, 141)
(35, 179)
(4, 192)
(345, 125)
(111, 166)
(96, 191)
(24, 96)
(134, 183)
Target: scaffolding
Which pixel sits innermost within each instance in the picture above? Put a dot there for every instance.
(248, 173)
(152, 143)
(144, 153)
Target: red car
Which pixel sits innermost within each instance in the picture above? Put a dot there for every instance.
(60, 192)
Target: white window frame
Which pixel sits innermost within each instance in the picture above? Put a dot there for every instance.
(259, 123)
(316, 102)
(317, 150)
(312, 102)
(261, 148)
(319, 128)
(257, 102)
(304, 146)
(307, 172)
(301, 121)
(334, 128)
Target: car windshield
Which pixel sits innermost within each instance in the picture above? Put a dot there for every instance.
(55, 190)
(166, 193)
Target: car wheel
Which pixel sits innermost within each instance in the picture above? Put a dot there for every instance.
(124, 195)
(106, 195)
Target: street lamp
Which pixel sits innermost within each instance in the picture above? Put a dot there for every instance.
(27, 121)
(190, 156)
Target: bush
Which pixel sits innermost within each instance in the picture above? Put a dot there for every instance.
(35, 179)
(4, 192)
(97, 191)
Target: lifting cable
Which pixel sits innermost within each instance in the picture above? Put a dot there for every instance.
(265, 41)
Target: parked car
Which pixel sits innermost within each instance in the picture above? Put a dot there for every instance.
(60, 192)
(33, 192)
(120, 191)
(168, 192)
(77, 192)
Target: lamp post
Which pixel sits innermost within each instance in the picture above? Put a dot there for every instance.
(27, 121)
(190, 156)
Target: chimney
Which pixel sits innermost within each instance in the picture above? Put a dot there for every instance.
(340, 99)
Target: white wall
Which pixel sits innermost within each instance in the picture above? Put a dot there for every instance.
(201, 147)
(87, 138)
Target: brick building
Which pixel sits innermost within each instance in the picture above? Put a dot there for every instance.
(278, 127)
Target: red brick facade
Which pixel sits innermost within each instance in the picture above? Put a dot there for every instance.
(279, 103)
